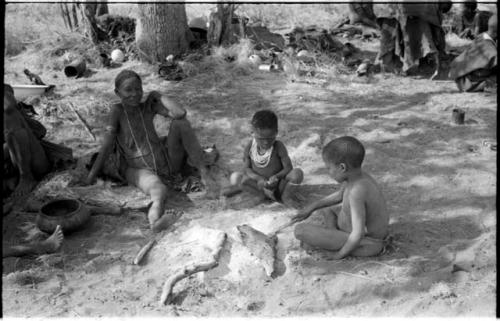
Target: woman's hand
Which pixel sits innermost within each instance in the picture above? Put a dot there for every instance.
(153, 97)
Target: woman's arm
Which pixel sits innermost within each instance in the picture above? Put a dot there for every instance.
(107, 144)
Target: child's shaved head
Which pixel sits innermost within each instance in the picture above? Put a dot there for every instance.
(346, 149)
(265, 119)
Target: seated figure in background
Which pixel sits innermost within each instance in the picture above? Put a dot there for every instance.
(472, 21)
(25, 161)
(475, 68)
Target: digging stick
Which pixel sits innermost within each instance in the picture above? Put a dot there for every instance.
(145, 249)
(82, 121)
(168, 286)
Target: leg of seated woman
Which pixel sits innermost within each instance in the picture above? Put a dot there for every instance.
(182, 142)
(28, 157)
(152, 185)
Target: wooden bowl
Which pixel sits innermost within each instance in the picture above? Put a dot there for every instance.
(24, 91)
(71, 214)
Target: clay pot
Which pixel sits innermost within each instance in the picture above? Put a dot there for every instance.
(71, 214)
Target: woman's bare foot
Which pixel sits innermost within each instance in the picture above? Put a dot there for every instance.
(164, 222)
(24, 186)
(54, 242)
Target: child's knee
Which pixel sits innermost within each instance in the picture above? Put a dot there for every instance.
(300, 231)
(236, 178)
(296, 176)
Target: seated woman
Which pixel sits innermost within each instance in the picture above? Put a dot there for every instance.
(25, 161)
(475, 68)
(141, 157)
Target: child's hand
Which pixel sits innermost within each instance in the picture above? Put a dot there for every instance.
(272, 182)
(262, 183)
(301, 215)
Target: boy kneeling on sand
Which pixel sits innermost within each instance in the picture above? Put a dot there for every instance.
(361, 225)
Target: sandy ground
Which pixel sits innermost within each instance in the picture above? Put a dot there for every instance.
(439, 180)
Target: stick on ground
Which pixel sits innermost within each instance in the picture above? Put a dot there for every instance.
(145, 249)
(82, 121)
(168, 286)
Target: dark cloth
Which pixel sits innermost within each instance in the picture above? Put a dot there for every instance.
(471, 28)
(391, 43)
(411, 33)
(481, 22)
(429, 12)
(478, 63)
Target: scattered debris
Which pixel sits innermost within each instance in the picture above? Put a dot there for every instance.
(264, 39)
(34, 78)
(79, 117)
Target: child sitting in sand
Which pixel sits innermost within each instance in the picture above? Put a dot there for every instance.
(268, 170)
(141, 157)
(361, 225)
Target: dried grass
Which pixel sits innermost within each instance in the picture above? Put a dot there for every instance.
(222, 66)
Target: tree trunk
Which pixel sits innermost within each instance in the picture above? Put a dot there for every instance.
(102, 8)
(89, 12)
(221, 29)
(75, 16)
(66, 16)
(161, 30)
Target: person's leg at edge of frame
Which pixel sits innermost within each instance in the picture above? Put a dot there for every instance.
(32, 164)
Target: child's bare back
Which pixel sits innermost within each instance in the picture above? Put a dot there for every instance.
(361, 225)
(367, 191)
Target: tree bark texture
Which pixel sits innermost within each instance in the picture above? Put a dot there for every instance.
(221, 30)
(66, 15)
(161, 30)
(101, 9)
(89, 14)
